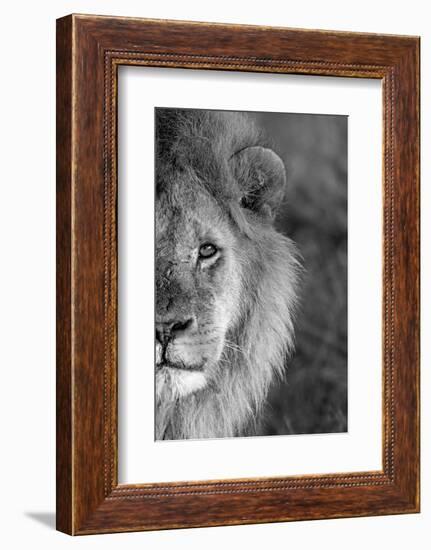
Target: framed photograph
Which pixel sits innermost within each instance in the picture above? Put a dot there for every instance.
(237, 274)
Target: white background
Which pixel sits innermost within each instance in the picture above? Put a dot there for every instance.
(141, 458)
(27, 123)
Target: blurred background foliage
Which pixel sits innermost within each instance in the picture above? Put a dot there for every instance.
(313, 396)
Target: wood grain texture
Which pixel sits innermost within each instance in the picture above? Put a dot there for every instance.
(90, 49)
(64, 497)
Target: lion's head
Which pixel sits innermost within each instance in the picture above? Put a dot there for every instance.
(225, 279)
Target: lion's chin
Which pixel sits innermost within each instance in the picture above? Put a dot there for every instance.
(173, 383)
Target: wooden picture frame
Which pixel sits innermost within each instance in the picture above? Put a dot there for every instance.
(89, 51)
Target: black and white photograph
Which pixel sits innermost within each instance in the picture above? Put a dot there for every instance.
(250, 273)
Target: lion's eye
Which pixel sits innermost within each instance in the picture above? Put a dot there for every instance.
(207, 250)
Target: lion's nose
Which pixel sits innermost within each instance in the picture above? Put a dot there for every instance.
(168, 330)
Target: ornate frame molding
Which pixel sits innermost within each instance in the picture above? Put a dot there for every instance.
(89, 498)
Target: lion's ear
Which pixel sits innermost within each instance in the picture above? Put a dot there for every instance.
(261, 176)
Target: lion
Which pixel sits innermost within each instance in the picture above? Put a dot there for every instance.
(226, 280)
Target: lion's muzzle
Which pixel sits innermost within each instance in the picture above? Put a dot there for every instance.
(171, 333)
